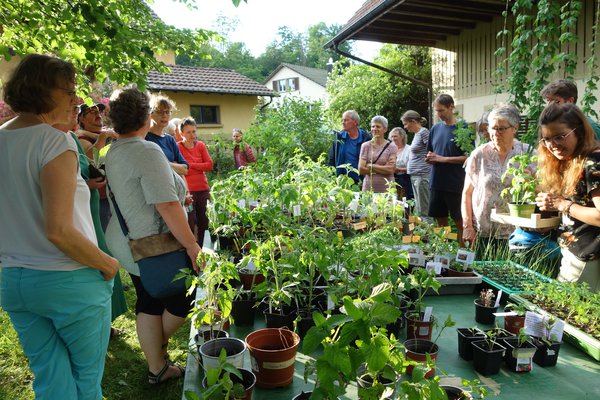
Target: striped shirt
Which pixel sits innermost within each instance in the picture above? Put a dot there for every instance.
(418, 150)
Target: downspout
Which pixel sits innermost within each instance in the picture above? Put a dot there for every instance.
(266, 104)
(398, 74)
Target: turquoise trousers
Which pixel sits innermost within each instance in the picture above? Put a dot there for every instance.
(63, 322)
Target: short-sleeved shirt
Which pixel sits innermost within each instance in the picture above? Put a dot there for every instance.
(418, 151)
(444, 176)
(578, 233)
(402, 157)
(140, 177)
(378, 183)
(23, 243)
(484, 171)
(169, 146)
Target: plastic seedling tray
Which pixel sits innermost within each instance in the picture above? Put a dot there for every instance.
(508, 284)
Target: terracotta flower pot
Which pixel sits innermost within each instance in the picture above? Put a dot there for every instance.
(514, 323)
(416, 328)
(273, 356)
(249, 279)
(417, 350)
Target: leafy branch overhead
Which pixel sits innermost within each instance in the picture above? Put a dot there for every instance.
(113, 38)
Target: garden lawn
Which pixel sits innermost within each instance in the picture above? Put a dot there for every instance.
(125, 374)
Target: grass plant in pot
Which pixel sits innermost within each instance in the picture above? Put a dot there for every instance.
(488, 353)
(226, 382)
(422, 350)
(523, 182)
(548, 347)
(420, 280)
(485, 307)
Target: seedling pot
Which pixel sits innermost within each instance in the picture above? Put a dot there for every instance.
(280, 320)
(273, 355)
(514, 323)
(484, 315)
(546, 356)
(486, 361)
(465, 339)
(248, 380)
(416, 328)
(521, 210)
(456, 393)
(210, 351)
(518, 358)
(416, 350)
(243, 311)
(250, 279)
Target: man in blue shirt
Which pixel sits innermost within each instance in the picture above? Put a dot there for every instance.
(346, 148)
(447, 173)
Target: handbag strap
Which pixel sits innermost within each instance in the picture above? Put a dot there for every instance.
(384, 147)
(122, 222)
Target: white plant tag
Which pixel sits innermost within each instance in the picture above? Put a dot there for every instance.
(353, 205)
(464, 256)
(434, 266)
(241, 203)
(374, 208)
(535, 326)
(250, 266)
(297, 211)
(498, 297)
(427, 314)
(330, 304)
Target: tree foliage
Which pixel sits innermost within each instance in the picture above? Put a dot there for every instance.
(295, 124)
(288, 46)
(371, 91)
(116, 38)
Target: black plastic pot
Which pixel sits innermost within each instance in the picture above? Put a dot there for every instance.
(248, 381)
(304, 324)
(466, 337)
(243, 310)
(546, 356)
(487, 361)
(302, 396)
(484, 315)
(456, 393)
(365, 381)
(514, 353)
(285, 319)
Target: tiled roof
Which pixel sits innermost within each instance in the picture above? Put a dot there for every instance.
(206, 80)
(319, 76)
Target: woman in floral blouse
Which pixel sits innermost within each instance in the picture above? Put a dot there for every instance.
(483, 182)
(568, 162)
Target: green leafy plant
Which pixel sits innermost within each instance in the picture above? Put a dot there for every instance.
(523, 182)
(464, 136)
(219, 385)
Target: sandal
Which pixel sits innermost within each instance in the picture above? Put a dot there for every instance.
(164, 347)
(157, 379)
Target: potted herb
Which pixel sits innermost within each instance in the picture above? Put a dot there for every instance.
(421, 281)
(514, 323)
(466, 337)
(227, 382)
(519, 352)
(422, 350)
(488, 353)
(485, 307)
(548, 347)
(522, 190)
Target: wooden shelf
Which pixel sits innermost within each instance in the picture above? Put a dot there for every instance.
(535, 221)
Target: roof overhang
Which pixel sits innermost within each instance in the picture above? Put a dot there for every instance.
(416, 22)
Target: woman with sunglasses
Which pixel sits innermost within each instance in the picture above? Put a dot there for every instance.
(569, 171)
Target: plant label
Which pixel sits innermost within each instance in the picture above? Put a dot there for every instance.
(359, 225)
(241, 203)
(250, 266)
(374, 208)
(252, 204)
(452, 236)
(465, 256)
(416, 260)
(434, 266)
(353, 206)
(523, 365)
(416, 238)
(297, 212)
(411, 249)
(330, 303)
(427, 314)
(539, 325)
(444, 260)
(406, 239)
(498, 297)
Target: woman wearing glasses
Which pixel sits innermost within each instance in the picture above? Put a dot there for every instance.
(568, 161)
(162, 107)
(483, 182)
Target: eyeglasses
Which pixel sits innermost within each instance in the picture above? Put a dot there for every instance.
(162, 112)
(499, 129)
(91, 110)
(557, 140)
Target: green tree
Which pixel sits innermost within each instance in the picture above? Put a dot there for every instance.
(371, 91)
(116, 38)
(318, 35)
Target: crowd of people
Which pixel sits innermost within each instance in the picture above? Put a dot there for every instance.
(66, 228)
(62, 235)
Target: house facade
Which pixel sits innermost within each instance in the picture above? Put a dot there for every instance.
(463, 37)
(296, 80)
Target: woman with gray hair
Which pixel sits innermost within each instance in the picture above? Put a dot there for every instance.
(377, 161)
(484, 169)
